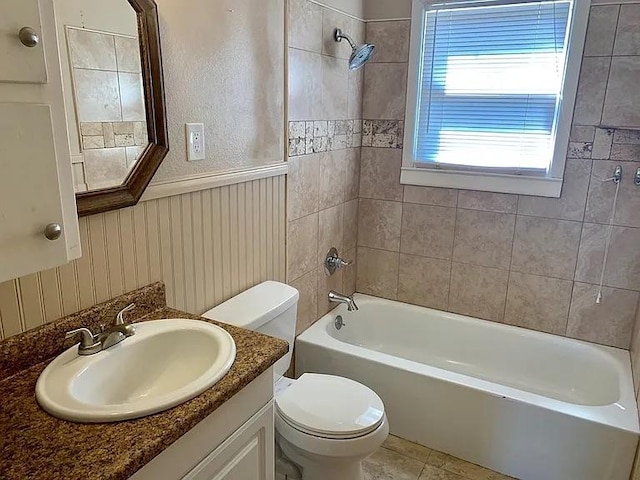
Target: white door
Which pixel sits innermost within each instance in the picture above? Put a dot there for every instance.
(21, 63)
(30, 197)
(247, 455)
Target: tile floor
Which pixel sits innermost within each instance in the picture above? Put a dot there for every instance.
(400, 459)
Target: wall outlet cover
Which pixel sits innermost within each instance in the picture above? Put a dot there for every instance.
(195, 142)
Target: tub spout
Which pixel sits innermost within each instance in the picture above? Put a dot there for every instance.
(348, 300)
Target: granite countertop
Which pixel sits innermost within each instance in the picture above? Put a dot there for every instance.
(35, 445)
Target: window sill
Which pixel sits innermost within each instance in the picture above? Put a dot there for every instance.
(485, 182)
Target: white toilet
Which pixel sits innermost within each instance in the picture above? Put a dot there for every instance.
(326, 425)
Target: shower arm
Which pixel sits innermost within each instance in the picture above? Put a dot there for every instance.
(339, 36)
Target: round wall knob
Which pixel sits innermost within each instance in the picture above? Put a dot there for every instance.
(53, 231)
(29, 37)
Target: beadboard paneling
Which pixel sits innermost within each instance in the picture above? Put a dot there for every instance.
(206, 246)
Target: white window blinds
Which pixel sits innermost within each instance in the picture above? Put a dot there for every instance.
(490, 85)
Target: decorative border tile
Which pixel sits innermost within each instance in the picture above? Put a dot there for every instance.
(307, 137)
(113, 134)
(383, 133)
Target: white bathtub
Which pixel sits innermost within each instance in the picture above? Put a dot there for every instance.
(527, 404)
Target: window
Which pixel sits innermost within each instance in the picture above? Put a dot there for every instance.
(491, 93)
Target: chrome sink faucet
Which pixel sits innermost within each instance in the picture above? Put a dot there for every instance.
(348, 300)
(90, 343)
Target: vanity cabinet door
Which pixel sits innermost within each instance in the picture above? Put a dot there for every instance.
(30, 197)
(247, 455)
(21, 63)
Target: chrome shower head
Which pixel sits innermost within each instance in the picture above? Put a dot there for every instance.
(360, 54)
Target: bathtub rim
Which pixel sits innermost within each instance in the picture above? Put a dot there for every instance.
(622, 415)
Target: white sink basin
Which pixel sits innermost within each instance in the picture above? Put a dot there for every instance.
(165, 363)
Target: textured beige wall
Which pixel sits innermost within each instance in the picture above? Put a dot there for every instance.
(234, 83)
(205, 246)
(386, 9)
(526, 261)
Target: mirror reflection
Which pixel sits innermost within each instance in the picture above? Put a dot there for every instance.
(106, 107)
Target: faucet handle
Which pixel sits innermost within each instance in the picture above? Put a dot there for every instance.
(120, 316)
(333, 262)
(87, 338)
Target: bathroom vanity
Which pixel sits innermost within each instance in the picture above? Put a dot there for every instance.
(224, 433)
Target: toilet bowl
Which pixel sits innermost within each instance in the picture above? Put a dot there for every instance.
(328, 425)
(325, 424)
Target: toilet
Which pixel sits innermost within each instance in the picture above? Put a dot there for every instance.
(326, 425)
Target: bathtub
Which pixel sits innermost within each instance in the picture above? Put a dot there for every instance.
(527, 404)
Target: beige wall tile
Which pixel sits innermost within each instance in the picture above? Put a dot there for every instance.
(384, 91)
(303, 186)
(91, 128)
(141, 133)
(349, 275)
(444, 197)
(335, 86)
(484, 238)
(132, 97)
(350, 239)
(302, 246)
(610, 322)
(635, 350)
(622, 103)
(305, 25)
(591, 90)
(538, 303)
(488, 201)
(391, 40)
(601, 32)
(308, 303)
(571, 204)
(105, 167)
(305, 85)
(601, 196)
(352, 173)
(325, 285)
(379, 224)
(109, 136)
(332, 178)
(378, 272)
(92, 50)
(128, 54)
(330, 21)
(623, 262)
(355, 93)
(97, 96)
(91, 142)
(478, 291)
(424, 281)
(380, 174)
(330, 232)
(628, 32)
(427, 230)
(546, 247)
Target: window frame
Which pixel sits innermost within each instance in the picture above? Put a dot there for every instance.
(474, 178)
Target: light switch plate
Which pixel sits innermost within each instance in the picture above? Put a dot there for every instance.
(195, 141)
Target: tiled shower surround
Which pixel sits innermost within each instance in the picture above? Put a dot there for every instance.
(526, 261)
(325, 134)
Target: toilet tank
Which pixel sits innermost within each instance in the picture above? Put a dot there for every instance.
(269, 308)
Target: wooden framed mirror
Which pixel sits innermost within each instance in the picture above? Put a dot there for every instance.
(117, 116)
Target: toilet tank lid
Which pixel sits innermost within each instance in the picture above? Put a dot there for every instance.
(253, 308)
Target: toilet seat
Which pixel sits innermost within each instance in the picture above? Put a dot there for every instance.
(330, 407)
